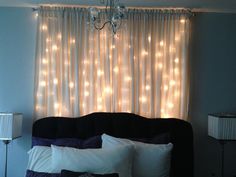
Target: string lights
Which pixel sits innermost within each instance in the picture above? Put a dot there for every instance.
(100, 87)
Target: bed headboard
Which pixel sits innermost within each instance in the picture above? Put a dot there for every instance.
(125, 125)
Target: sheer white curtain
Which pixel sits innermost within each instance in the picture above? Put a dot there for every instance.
(143, 69)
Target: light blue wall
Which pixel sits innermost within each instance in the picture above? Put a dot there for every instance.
(213, 83)
(17, 49)
(213, 87)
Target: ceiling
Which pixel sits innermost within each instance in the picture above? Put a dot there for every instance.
(226, 6)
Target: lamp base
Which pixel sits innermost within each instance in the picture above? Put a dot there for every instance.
(6, 142)
(222, 143)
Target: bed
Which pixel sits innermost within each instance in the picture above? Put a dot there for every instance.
(128, 126)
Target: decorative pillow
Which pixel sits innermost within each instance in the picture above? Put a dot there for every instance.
(99, 161)
(40, 159)
(152, 160)
(163, 138)
(67, 173)
(93, 142)
(30, 173)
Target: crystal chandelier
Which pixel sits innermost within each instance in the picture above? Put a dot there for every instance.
(114, 14)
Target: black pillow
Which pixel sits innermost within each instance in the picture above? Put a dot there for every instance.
(30, 173)
(92, 142)
(67, 173)
(163, 138)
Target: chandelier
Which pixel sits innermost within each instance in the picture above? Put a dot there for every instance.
(114, 14)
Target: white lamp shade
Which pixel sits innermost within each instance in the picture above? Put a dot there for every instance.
(10, 125)
(222, 126)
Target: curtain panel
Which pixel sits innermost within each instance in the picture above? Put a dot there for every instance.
(142, 69)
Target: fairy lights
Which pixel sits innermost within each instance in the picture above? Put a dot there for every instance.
(176, 60)
(71, 85)
(55, 81)
(104, 78)
(162, 43)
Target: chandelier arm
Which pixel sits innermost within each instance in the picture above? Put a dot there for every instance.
(100, 28)
(113, 26)
(114, 13)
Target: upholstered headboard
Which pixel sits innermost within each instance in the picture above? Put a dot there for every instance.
(125, 125)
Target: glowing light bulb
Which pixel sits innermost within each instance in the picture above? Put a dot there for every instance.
(143, 99)
(100, 73)
(176, 60)
(176, 70)
(172, 82)
(113, 47)
(166, 115)
(170, 105)
(54, 47)
(86, 62)
(45, 73)
(177, 94)
(71, 85)
(59, 36)
(177, 38)
(56, 105)
(48, 40)
(99, 107)
(55, 81)
(44, 27)
(161, 43)
(86, 93)
(86, 83)
(128, 78)
(159, 54)
(147, 87)
(182, 21)
(72, 41)
(149, 39)
(47, 50)
(36, 15)
(144, 53)
(66, 63)
(116, 69)
(45, 61)
(166, 88)
(160, 65)
(108, 90)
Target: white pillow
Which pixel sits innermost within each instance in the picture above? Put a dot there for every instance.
(150, 160)
(40, 159)
(99, 161)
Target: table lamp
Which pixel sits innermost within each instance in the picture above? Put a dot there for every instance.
(10, 128)
(222, 127)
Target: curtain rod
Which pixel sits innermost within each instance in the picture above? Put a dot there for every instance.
(103, 7)
(129, 7)
(191, 10)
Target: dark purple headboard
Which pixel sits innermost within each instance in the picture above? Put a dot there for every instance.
(125, 125)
